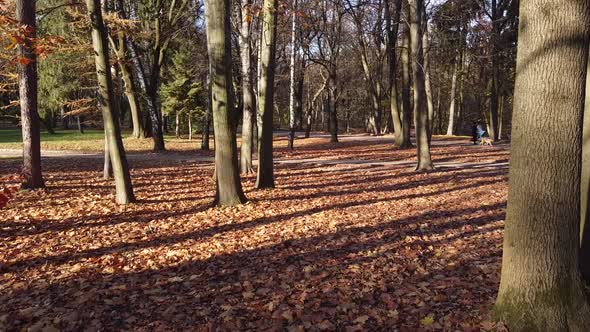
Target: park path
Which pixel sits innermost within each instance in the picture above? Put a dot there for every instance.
(187, 157)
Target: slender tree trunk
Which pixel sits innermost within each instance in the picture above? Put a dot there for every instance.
(27, 87)
(123, 185)
(265, 174)
(420, 110)
(107, 172)
(150, 92)
(248, 97)
(541, 288)
(208, 117)
(452, 107)
(406, 96)
(292, 77)
(427, 83)
(333, 104)
(129, 88)
(80, 123)
(495, 73)
(190, 126)
(229, 187)
(177, 125)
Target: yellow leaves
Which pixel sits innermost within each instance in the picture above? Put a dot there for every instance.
(428, 320)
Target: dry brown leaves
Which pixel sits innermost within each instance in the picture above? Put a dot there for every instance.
(343, 247)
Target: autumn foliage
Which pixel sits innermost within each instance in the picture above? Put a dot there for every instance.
(350, 240)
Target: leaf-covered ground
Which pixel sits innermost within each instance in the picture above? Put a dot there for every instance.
(347, 246)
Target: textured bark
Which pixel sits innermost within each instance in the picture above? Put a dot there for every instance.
(107, 171)
(392, 27)
(406, 103)
(265, 173)
(124, 189)
(333, 104)
(229, 187)
(585, 187)
(27, 88)
(420, 110)
(248, 99)
(129, 87)
(541, 287)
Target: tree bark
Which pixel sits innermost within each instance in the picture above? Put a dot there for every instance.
(28, 87)
(228, 185)
(333, 103)
(541, 287)
(107, 171)
(427, 82)
(420, 111)
(265, 173)
(585, 187)
(406, 96)
(392, 31)
(493, 125)
(453, 103)
(248, 97)
(208, 117)
(124, 189)
(292, 82)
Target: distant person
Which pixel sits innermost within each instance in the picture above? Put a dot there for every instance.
(474, 132)
(480, 132)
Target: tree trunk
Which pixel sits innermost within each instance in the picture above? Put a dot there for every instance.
(495, 73)
(247, 89)
(333, 103)
(123, 185)
(151, 100)
(392, 27)
(585, 187)
(177, 125)
(420, 111)
(27, 87)
(453, 105)
(228, 185)
(265, 174)
(129, 88)
(292, 78)
(107, 171)
(208, 117)
(80, 124)
(406, 102)
(541, 288)
(427, 83)
(190, 126)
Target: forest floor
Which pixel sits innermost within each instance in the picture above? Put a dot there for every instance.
(352, 239)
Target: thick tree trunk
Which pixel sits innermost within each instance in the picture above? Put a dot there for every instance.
(248, 98)
(406, 96)
(420, 110)
(585, 187)
(228, 185)
(392, 27)
(292, 82)
(123, 185)
(27, 88)
(265, 173)
(541, 287)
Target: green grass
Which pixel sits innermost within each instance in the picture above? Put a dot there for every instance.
(15, 135)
